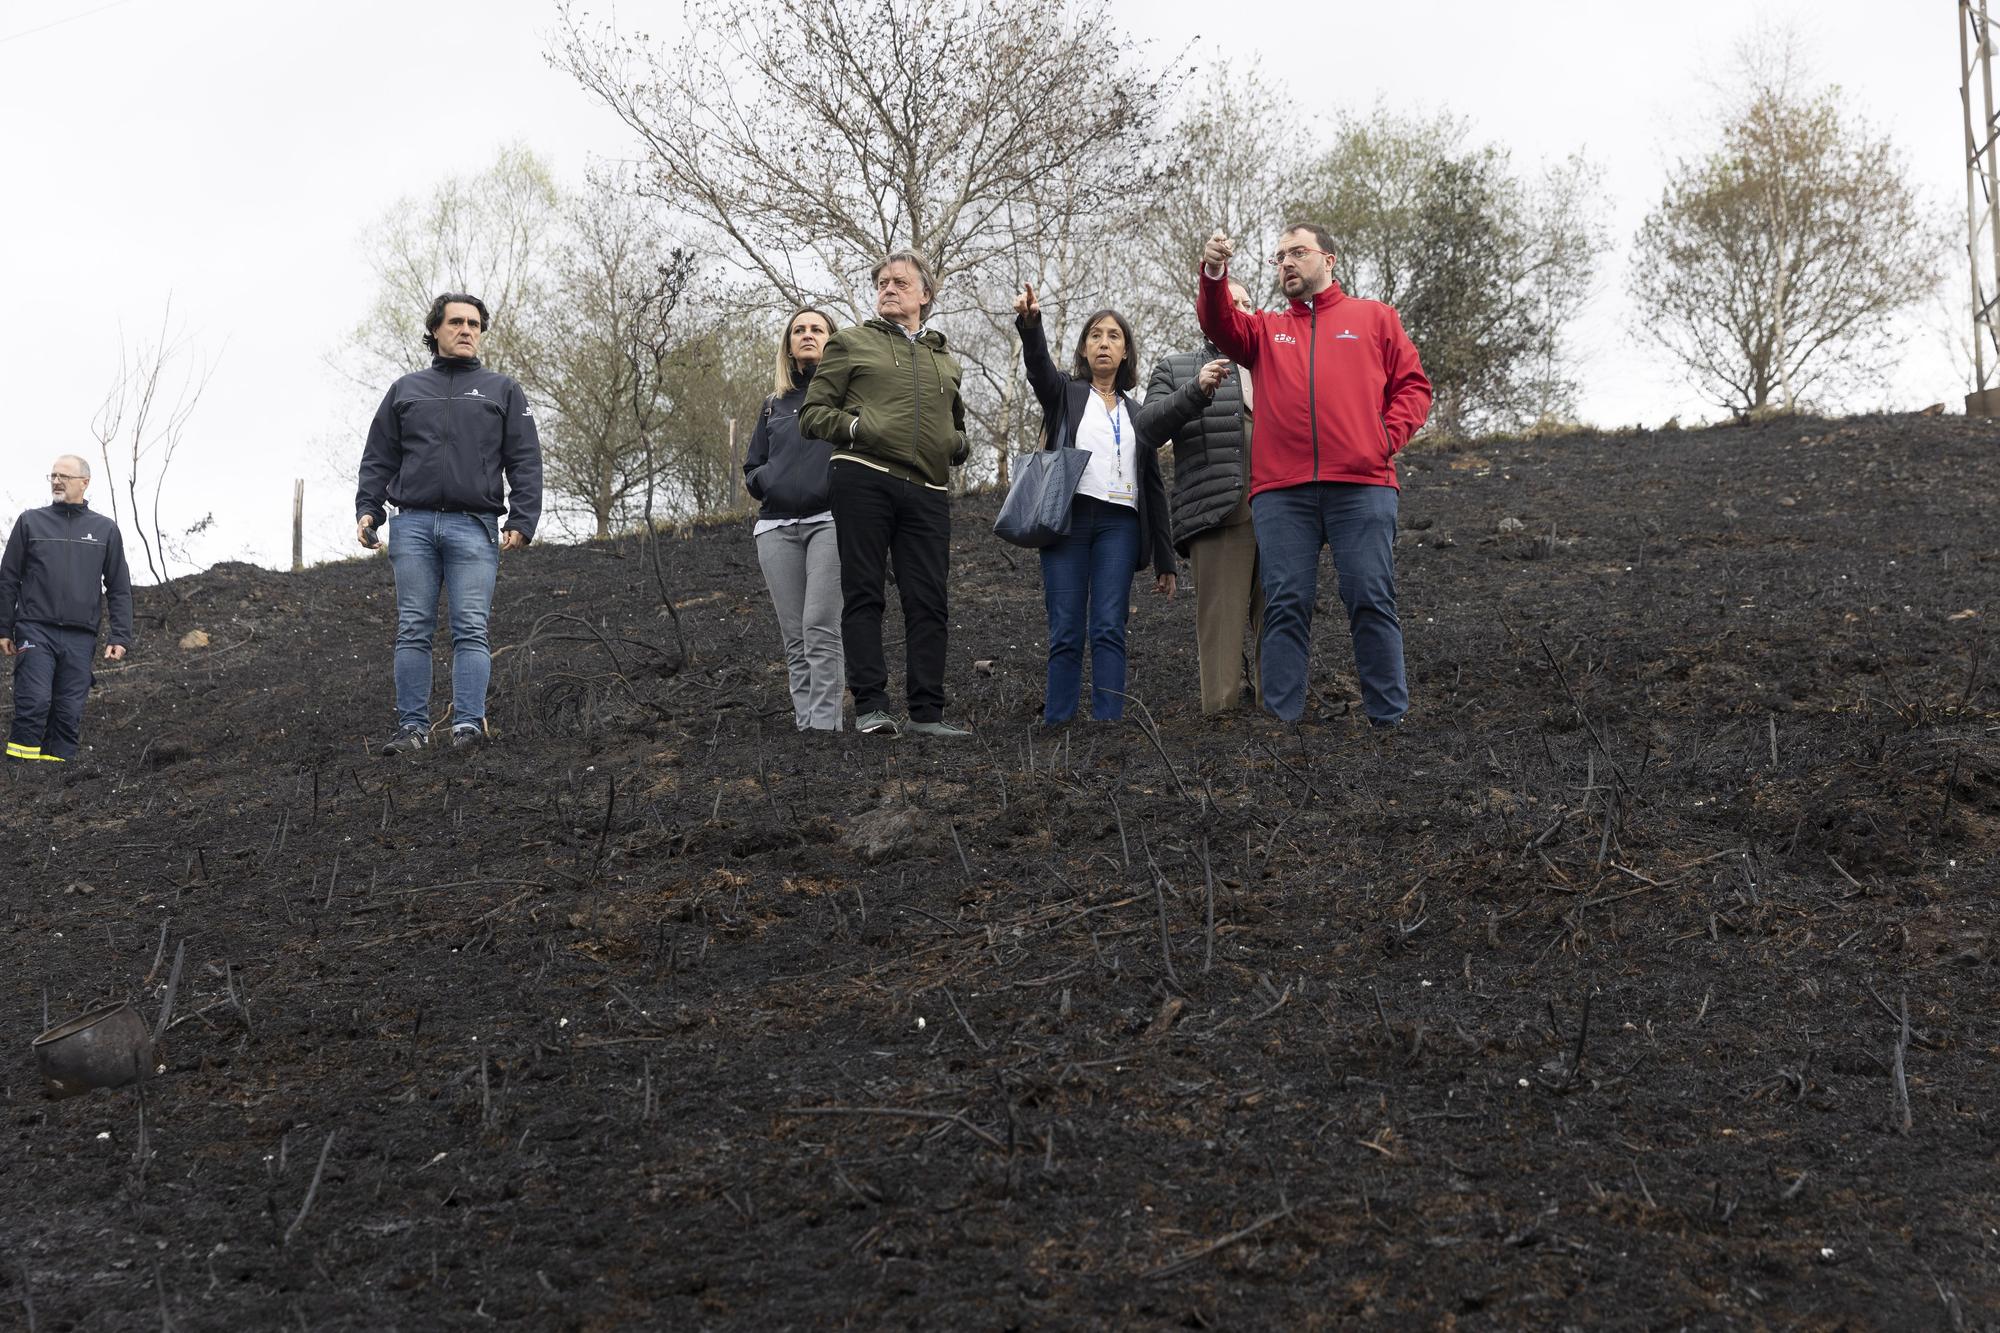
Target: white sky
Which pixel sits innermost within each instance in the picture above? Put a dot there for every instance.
(230, 153)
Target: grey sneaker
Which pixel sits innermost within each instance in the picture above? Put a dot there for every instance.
(467, 734)
(877, 723)
(407, 741)
(936, 729)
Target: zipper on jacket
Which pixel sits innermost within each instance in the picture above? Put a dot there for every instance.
(1312, 392)
(917, 429)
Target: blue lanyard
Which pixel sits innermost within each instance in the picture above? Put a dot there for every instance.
(1117, 416)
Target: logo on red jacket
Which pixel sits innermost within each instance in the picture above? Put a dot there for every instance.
(1284, 338)
(1344, 333)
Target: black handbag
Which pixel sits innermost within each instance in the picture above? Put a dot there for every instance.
(1037, 509)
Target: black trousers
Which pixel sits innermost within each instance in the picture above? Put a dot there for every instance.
(877, 517)
(51, 680)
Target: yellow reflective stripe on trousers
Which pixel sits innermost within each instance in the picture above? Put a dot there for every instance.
(16, 750)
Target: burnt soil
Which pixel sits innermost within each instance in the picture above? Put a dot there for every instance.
(1578, 1003)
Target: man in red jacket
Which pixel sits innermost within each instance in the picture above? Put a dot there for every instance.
(1339, 391)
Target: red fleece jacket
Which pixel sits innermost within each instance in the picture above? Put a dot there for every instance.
(1337, 382)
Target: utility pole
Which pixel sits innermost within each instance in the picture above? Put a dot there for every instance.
(298, 525)
(1982, 190)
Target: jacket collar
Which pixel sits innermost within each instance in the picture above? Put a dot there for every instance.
(1330, 295)
(454, 363)
(802, 379)
(930, 338)
(71, 510)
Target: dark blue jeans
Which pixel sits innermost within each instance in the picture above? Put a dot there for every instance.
(459, 553)
(1359, 523)
(1087, 589)
(52, 674)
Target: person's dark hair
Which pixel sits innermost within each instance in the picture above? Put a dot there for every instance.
(436, 316)
(1321, 236)
(924, 275)
(1128, 369)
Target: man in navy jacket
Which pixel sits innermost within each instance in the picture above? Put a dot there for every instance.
(61, 564)
(454, 448)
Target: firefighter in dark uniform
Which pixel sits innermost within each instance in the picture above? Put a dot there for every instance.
(62, 563)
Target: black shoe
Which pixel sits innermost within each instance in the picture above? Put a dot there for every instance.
(468, 734)
(407, 741)
(1385, 726)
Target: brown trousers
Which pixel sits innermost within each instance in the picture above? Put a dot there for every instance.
(1228, 596)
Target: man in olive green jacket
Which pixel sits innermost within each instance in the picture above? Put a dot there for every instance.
(886, 396)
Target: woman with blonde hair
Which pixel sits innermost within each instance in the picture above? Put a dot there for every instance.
(787, 472)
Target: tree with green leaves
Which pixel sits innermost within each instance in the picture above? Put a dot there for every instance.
(1774, 261)
(1485, 265)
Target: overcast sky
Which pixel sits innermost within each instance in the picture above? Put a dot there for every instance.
(229, 153)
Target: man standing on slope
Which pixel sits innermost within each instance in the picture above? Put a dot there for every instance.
(1339, 391)
(886, 397)
(62, 564)
(437, 450)
(1211, 519)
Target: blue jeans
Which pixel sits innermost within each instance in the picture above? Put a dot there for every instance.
(1359, 523)
(459, 553)
(1087, 587)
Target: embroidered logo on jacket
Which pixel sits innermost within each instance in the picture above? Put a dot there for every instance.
(88, 537)
(473, 393)
(1347, 335)
(1284, 338)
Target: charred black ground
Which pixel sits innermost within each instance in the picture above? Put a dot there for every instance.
(1581, 1002)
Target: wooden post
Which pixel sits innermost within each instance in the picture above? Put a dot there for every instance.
(298, 525)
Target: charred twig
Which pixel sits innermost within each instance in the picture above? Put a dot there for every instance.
(1160, 902)
(1147, 725)
(1584, 717)
(1902, 1083)
(1208, 907)
(903, 1113)
(313, 1189)
(965, 1022)
(1196, 1255)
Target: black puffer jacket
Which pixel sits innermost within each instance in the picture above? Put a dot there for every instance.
(1209, 466)
(786, 470)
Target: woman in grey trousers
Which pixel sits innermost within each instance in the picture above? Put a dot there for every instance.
(788, 473)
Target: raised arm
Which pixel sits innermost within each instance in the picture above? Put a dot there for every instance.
(1233, 332)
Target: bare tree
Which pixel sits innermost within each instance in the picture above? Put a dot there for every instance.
(810, 137)
(591, 348)
(1773, 260)
(140, 426)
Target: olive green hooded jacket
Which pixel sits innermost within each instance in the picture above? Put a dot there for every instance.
(886, 400)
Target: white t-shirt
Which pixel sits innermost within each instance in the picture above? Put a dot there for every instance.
(1113, 443)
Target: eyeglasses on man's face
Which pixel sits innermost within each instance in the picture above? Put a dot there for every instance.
(61, 477)
(1295, 255)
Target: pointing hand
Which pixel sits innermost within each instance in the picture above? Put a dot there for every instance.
(1218, 250)
(1026, 306)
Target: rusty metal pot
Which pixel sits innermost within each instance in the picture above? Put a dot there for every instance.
(105, 1048)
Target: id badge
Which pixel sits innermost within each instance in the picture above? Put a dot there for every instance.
(1117, 493)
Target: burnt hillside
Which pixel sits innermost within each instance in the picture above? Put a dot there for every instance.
(1581, 1002)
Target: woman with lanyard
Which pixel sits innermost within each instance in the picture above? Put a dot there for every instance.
(1119, 520)
(788, 473)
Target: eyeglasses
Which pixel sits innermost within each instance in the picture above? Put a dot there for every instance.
(1296, 254)
(63, 476)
